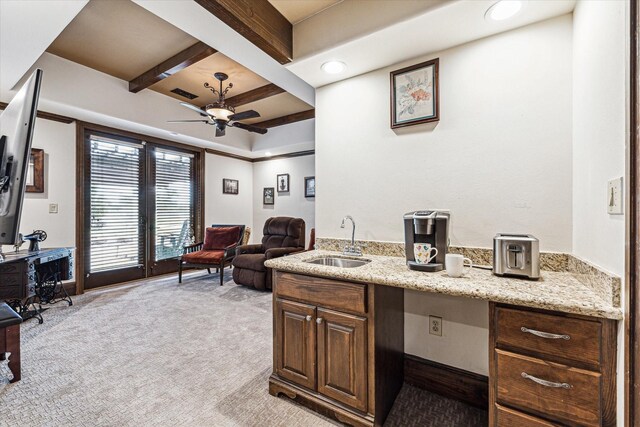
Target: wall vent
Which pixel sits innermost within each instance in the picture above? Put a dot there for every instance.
(184, 93)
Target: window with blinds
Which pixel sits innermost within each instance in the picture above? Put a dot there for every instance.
(116, 235)
(174, 207)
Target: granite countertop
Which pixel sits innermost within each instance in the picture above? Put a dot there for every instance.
(559, 291)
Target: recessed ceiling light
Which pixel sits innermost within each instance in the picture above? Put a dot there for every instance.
(503, 9)
(333, 67)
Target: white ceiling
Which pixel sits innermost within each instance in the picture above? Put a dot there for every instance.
(20, 45)
(442, 27)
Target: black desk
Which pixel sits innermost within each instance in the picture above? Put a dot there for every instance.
(30, 278)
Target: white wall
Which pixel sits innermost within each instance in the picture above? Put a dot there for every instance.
(292, 203)
(599, 129)
(222, 208)
(600, 87)
(58, 140)
(500, 159)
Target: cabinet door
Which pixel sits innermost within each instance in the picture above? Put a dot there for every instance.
(342, 357)
(295, 330)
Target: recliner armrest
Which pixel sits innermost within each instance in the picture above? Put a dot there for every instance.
(249, 249)
(278, 252)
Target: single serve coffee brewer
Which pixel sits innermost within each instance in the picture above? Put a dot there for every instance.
(426, 227)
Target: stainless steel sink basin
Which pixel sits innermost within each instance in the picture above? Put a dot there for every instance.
(340, 262)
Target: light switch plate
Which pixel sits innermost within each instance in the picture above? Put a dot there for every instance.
(53, 208)
(614, 197)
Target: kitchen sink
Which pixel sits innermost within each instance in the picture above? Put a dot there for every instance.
(340, 262)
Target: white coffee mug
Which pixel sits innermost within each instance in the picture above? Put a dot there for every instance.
(455, 264)
(424, 253)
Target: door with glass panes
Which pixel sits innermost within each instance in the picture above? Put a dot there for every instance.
(140, 208)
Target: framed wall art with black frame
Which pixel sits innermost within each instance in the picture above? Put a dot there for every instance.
(415, 94)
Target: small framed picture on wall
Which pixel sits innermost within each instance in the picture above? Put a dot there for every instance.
(230, 186)
(310, 186)
(268, 196)
(283, 183)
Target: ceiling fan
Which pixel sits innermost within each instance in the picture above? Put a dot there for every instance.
(221, 115)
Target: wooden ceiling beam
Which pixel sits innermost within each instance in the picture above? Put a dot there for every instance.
(257, 21)
(262, 92)
(176, 63)
(285, 120)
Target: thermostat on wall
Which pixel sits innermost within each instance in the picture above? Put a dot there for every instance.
(53, 208)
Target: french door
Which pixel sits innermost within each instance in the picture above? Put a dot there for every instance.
(141, 206)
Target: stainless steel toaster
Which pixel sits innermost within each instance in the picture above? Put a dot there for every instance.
(516, 255)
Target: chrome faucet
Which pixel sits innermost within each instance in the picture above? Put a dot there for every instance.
(352, 249)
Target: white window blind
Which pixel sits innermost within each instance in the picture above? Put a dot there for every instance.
(116, 238)
(174, 214)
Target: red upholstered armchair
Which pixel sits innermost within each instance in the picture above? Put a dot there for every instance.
(282, 236)
(217, 250)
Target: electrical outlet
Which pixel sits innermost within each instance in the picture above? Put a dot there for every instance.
(614, 197)
(53, 208)
(435, 325)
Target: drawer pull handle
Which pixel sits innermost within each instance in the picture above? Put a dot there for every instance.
(308, 318)
(545, 382)
(545, 334)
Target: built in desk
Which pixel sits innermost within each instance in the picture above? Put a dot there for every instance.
(29, 280)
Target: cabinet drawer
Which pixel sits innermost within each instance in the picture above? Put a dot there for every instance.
(328, 293)
(535, 385)
(565, 337)
(507, 417)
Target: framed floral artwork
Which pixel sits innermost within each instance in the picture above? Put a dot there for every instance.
(415, 96)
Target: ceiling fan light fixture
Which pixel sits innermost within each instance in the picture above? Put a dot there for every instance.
(503, 9)
(333, 67)
(220, 112)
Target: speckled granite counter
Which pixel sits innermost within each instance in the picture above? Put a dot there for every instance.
(560, 291)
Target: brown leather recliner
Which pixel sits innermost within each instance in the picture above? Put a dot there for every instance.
(282, 235)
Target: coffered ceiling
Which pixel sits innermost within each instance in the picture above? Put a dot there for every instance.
(122, 39)
(298, 10)
(119, 38)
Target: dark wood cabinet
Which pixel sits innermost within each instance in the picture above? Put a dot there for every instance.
(295, 342)
(342, 357)
(548, 368)
(338, 346)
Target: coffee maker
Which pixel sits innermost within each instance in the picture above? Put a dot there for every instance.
(427, 226)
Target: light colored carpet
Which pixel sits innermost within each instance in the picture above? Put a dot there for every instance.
(161, 354)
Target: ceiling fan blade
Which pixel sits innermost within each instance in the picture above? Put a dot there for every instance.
(187, 121)
(249, 114)
(194, 108)
(220, 132)
(250, 128)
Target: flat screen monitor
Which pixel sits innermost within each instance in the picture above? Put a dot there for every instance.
(16, 131)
